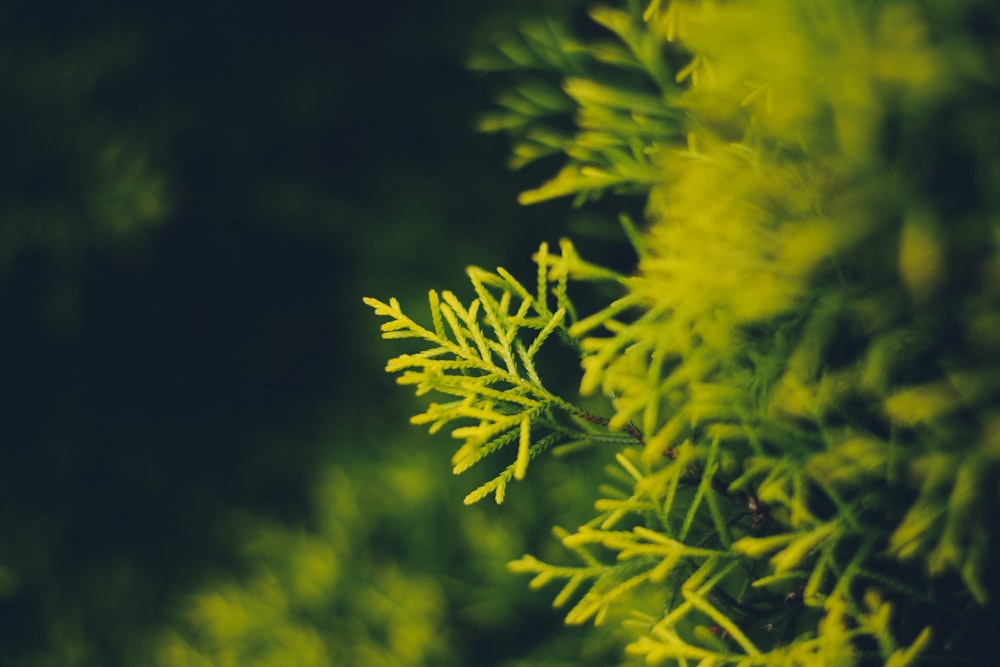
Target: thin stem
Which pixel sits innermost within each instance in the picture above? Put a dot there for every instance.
(634, 434)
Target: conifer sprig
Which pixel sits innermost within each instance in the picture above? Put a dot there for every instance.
(484, 355)
(621, 89)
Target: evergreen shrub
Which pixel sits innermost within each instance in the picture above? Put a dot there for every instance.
(801, 375)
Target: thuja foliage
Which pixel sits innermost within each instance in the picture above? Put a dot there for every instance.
(802, 373)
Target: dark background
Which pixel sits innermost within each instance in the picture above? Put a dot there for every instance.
(194, 197)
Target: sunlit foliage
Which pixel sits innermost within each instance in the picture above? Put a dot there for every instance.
(804, 359)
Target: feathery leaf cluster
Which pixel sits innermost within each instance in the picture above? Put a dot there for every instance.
(483, 355)
(616, 90)
(806, 356)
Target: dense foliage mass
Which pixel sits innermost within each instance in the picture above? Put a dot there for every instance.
(801, 373)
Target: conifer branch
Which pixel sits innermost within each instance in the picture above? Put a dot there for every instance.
(484, 354)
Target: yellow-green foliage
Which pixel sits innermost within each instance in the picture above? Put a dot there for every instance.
(319, 597)
(805, 358)
(484, 355)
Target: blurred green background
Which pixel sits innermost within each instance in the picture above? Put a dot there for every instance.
(201, 460)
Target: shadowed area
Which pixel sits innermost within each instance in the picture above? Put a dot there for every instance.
(193, 199)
